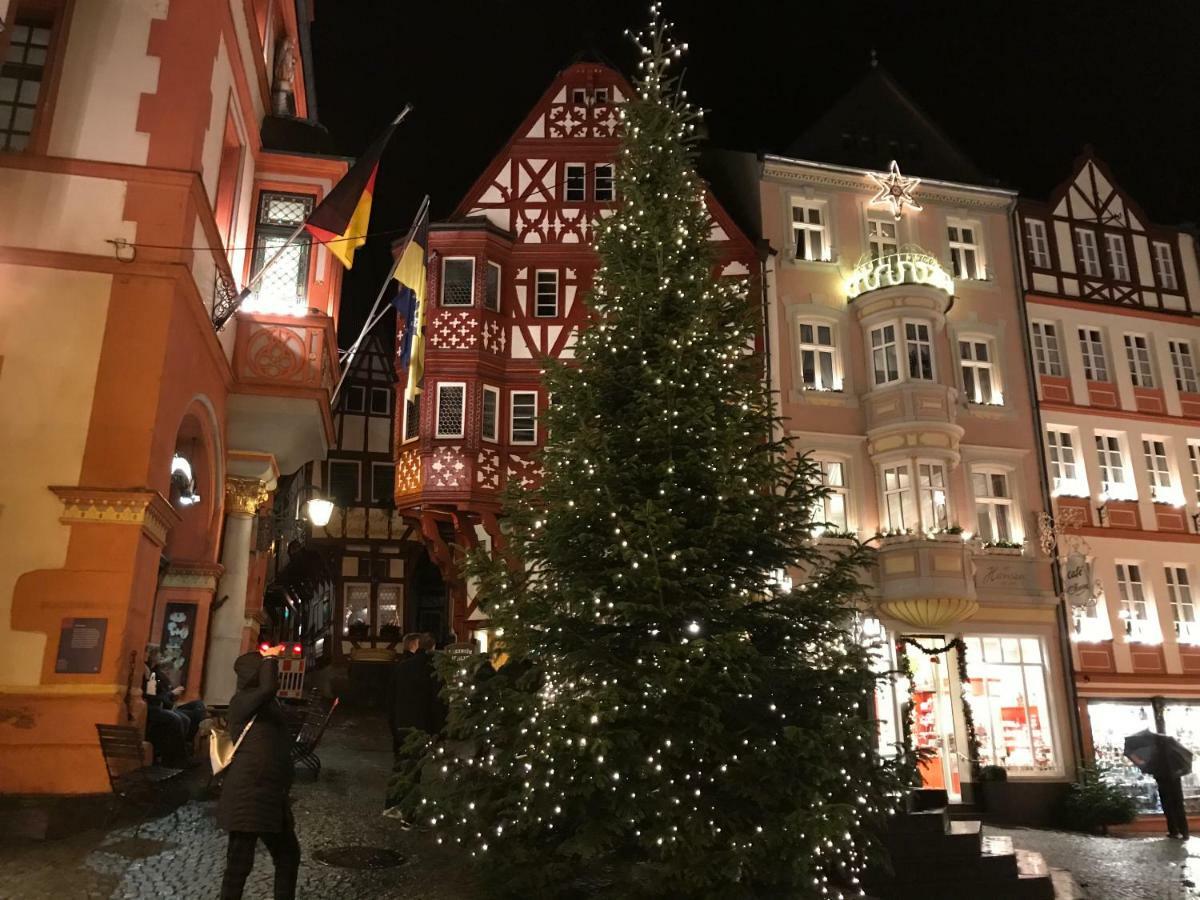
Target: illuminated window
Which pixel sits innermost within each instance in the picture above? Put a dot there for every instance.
(22, 73)
(931, 491)
(1111, 461)
(1135, 604)
(1137, 352)
(575, 183)
(458, 281)
(918, 344)
(993, 505)
(884, 354)
(964, 250)
(1064, 468)
(389, 606)
(1036, 243)
(898, 502)
(284, 286)
(1006, 690)
(1157, 469)
(1091, 344)
(1194, 464)
(818, 357)
(881, 235)
(522, 423)
(491, 293)
(356, 618)
(808, 231)
(1183, 607)
(979, 382)
(832, 512)
(1118, 262)
(546, 294)
(1164, 265)
(490, 428)
(451, 408)
(1087, 252)
(1045, 349)
(606, 190)
(1184, 366)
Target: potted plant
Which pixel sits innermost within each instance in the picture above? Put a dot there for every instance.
(1092, 804)
(992, 784)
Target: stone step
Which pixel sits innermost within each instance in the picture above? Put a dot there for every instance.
(925, 822)
(957, 840)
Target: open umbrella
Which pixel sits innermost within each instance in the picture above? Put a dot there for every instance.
(1159, 755)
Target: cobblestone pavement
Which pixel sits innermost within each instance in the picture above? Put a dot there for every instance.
(1149, 867)
(181, 855)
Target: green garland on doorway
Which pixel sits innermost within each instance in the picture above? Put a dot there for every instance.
(968, 719)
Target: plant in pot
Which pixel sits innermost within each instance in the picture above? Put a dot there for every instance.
(993, 788)
(1092, 804)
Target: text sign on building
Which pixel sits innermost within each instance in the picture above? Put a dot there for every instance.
(1077, 580)
(80, 646)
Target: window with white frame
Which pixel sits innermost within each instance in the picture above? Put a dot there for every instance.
(1135, 607)
(978, 373)
(381, 401)
(818, 357)
(1118, 261)
(882, 239)
(832, 510)
(412, 418)
(1183, 364)
(600, 96)
(1194, 464)
(1183, 607)
(575, 183)
(918, 345)
(899, 505)
(1137, 352)
(1095, 363)
(451, 409)
(1045, 348)
(1010, 702)
(1164, 265)
(489, 429)
(964, 249)
(884, 354)
(1111, 460)
(606, 190)
(1158, 471)
(284, 285)
(809, 239)
(491, 292)
(1087, 252)
(545, 301)
(1038, 245)
(458, 281)
(383, 483)
(993, 505)
(931, 495)
(1065, 470)
(522, 421)
(344, 487)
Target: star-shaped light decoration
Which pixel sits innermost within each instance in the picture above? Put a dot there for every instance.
(895, 189)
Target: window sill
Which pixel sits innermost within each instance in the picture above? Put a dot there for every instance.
(801, 262)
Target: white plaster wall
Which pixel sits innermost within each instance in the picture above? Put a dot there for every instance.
(247, 44)
(71, 213)
(214, 135)
(106, 70)
(45, 403)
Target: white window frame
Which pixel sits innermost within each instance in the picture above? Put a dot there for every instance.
(356, 399)
(824, 514)
(348, 588)
(442, 387)
(537, 293)
(574, 172)
(903, 494)
(1183, 365)
(1178, 577)
(1164, 488)
(446, 260)
(412, 416)
(819, 350)
(818, 231)
(1194, 463)
(487, 292)
(1112, 459)
(919, 342)
(880, 244)
(1140, 357)
(387, 401)
(1039, 243)
(382, 465)
(494, 438)
(579, 96)
(881, 350)
(965, 239)
(1164, 265)
(932, 481)
(1117, 254)
(1047, 352)
(604, 188)
(1087, 252)
(1137, 603)
(1095, 358)
(512, 417)
(1067, 472)
(971, 363)
(600, 95)
(991, 502)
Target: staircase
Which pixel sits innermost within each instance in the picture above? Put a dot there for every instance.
(938, 857)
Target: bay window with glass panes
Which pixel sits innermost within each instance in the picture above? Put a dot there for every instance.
(885, 347)
(820, 368)
(284, 285)
(994, 506)
(915, 496)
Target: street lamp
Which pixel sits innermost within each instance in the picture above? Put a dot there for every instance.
(319, 509)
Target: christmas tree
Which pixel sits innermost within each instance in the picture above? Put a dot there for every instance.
(672, 715)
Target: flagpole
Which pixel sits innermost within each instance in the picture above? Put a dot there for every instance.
(375, 315)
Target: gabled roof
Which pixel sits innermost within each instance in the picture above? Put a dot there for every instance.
(875, 122)
(1091, 193)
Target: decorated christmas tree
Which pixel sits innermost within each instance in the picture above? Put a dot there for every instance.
(673, 716)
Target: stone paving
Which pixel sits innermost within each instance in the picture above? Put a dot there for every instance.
(1141, 867)
(181, 855)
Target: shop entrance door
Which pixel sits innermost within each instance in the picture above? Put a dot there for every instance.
(936, 697)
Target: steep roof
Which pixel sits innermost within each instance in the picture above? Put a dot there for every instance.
(875, 122)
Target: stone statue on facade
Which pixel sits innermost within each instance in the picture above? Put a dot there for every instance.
(283, 90)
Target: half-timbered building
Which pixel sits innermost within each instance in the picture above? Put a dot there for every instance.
(1112, 303)
(508, 278)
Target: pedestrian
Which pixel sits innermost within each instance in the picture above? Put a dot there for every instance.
(418, 713)
(254, 802)
(193, 712)
(1155, 761)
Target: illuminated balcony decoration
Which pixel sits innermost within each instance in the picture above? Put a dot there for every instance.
(895, 190)
(912, 265)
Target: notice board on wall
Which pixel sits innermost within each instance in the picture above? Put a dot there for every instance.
(179, 629)
(80, 646)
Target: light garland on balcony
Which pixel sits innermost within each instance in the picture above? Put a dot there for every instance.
(893, 270)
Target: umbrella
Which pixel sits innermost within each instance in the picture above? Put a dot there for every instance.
(1158, 754)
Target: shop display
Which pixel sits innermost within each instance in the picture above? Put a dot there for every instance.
(1111, 722)
(1007, 694)
(1182, 722)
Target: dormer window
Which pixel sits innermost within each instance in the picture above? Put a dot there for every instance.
(1087, 252)
(579, 96)
(600, 96)
(1118, 262)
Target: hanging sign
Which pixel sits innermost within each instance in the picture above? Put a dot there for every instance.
(1077, 580)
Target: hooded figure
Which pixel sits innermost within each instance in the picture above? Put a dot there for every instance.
(254, 797)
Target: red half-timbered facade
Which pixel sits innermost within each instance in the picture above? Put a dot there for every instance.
(508, 279)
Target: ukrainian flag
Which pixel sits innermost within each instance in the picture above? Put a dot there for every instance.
(411, 306)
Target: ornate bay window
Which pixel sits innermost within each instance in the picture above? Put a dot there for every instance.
(284, 286)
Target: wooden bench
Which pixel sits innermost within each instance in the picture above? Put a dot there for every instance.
(317, 715)
(128, 774)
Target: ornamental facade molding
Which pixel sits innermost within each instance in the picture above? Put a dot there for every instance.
(196, 576)
(243, 496)
(965, 197)
(144, 507)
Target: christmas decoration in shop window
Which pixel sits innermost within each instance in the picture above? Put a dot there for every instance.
(671, 717)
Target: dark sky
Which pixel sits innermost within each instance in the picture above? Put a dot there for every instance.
(1020, 86)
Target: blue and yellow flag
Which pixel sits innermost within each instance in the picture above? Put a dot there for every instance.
(411, 306)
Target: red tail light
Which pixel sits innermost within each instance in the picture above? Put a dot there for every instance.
(297, 649)
(264, 646)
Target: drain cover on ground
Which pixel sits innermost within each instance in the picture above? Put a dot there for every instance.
(136, 847)
(358, 857)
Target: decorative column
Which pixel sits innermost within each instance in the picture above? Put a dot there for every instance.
(243, 497)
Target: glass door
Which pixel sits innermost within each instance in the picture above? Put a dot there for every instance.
(935, 722)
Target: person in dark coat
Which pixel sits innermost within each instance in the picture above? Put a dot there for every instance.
(254, 801)
(418, 712)
(192, 713)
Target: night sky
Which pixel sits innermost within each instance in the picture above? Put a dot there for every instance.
(1019, 86)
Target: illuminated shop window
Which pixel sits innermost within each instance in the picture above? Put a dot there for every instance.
(1110, 723)
(1010, 705)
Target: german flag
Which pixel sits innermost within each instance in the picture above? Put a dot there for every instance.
(340, 220)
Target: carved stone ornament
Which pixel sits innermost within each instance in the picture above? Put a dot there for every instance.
(197, 575)
(143, 507)
(243, 496)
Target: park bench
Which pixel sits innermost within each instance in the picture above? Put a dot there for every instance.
(128, 774)
(317, 714)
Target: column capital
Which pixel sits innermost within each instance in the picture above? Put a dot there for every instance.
(243, 496)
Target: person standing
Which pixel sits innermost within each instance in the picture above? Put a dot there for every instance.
(1170, 790)
(254, 802)
(418, 712)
